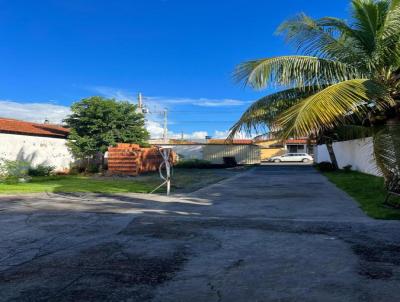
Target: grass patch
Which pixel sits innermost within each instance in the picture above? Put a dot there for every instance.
(184, 180)
(75, 184)
(368, 191)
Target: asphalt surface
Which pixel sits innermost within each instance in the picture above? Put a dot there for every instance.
(274, 233)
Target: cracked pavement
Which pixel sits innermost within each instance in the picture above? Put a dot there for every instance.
(274, 233)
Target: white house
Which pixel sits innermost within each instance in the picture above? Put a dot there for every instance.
(35, 143)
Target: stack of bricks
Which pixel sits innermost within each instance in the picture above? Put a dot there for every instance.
(123, 159)
(130, 159)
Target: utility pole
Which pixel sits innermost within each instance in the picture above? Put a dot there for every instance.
(165, 133)
(140, 102)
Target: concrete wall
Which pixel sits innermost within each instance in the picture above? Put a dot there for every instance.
(36, 150)
(358, 153)
(266, 153)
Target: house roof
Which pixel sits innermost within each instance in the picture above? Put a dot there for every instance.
(234, 142)
(13, 126)
(297, 141)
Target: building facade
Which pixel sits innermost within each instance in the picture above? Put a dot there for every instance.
(35, 143)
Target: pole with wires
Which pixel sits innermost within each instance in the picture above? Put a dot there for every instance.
(165, 131)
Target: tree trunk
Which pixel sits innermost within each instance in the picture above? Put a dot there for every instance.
(102, 167)
(332, 155)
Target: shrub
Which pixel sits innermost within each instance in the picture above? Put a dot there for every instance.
(92, 167)
(13, 171)
(347, 168)
(40, 170)
(194, 164)
(325, 166)
(75, 170)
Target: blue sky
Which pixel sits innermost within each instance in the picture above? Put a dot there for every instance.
(179, 53)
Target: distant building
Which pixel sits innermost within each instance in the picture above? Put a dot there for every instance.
(271, 146)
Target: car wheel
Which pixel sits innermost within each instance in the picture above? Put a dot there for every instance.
(306, 160)
(277, 160)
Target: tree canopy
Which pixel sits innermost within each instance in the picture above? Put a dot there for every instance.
(97, 123)
(345, 71)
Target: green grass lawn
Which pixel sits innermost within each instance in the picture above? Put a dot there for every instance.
(368, 191)
(184, 180)
(75, 184)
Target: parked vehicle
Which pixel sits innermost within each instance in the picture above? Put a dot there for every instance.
(292, 157)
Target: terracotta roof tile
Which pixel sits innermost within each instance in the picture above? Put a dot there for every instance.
(13, 126)
(235, 141)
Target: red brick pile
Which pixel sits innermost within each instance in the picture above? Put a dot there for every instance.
(130, 159)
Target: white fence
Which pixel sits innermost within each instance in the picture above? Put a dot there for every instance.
(358, 153)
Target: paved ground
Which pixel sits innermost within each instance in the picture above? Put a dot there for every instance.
(274, 233)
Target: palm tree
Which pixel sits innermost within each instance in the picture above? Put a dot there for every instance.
(345, 71)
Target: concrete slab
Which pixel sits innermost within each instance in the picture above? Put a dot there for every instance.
(274, 233)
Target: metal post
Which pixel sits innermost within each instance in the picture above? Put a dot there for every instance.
(140, 102)
(165, 133)
(166, 155)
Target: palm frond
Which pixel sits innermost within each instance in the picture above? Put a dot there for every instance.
(369, 17)
(329, 38)
(386, 144)
(391, 25)
(387, 51)
(333, 106)
(263, 112)
(349, 132)
(293, 71)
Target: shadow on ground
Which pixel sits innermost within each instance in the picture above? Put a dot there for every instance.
(270, 234)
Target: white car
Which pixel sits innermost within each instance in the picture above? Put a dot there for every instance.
(292, 157)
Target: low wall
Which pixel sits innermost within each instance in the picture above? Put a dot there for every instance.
(357, 153)
(36, 150)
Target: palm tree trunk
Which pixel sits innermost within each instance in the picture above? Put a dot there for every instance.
(332, 156)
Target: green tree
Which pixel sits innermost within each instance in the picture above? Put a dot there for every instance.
(97, 123)
(344, 71)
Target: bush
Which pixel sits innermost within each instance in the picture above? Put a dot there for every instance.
(13, 171)
(92, 167)
(194, 164)
(40, 170)
(325, 166)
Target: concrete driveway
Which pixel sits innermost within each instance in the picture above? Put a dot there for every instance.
(274, 233)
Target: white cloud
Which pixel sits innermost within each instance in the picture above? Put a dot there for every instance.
(114, 93)
(34, 112)
(162, 101)
(203, 102)
(156, 131)
(154, 128)
(224, 134)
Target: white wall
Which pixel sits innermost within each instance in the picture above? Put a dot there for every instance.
(36, 150)
(188, 151)
(358, 153)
